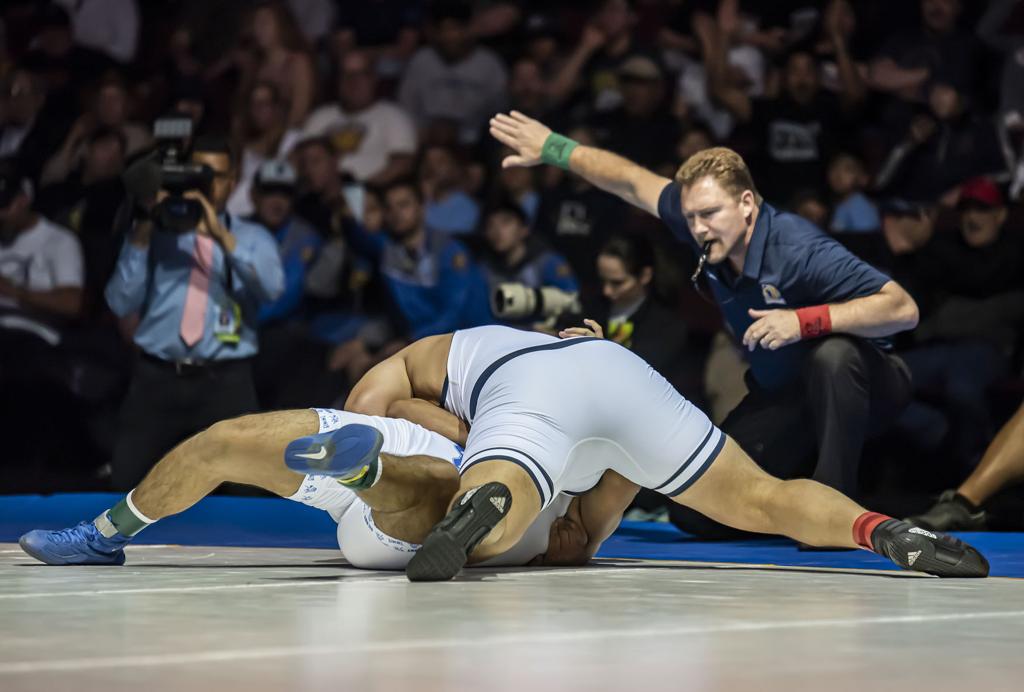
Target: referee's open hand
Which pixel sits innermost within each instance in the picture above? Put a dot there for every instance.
(523, 135)
(772, 329)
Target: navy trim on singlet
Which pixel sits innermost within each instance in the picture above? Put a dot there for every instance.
(686, 463)
(547, 479)
(478, 387)
(517, 462)
(700, 472)
(444, 392)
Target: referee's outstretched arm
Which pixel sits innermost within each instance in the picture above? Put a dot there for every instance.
(529, 138)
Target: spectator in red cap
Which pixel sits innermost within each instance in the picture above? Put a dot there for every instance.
(969, 282)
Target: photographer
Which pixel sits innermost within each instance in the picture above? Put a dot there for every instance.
(194, 277)
(514, 255)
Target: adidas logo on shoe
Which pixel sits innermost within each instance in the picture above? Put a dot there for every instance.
(922, 532)
(499, 503)
(912, 557)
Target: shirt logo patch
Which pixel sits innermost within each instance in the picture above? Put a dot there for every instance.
(771, 295)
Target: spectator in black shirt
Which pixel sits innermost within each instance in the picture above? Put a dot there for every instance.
(639, 127)
(969, 280)
(589, 73)
(943, 147)
(25, 133)
(575, 217)
(796, 132)
(87, 202)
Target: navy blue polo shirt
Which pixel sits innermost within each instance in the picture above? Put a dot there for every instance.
(790, 264)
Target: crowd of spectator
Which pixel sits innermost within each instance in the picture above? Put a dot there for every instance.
(357, 142)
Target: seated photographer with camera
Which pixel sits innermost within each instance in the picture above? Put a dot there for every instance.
(194, 277)
(515, 262)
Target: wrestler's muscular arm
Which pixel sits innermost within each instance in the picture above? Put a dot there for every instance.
(610, 172)
(432, 417)
(406, 384)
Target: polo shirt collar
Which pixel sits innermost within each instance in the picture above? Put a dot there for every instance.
(758, 239)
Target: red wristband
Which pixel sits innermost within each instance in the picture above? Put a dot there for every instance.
(814, 321)
(864, 526)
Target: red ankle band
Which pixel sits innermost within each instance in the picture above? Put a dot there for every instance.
(864, 526)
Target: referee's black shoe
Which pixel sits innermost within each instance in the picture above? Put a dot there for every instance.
(447, 547)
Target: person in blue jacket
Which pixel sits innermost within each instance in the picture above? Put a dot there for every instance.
(431, 278)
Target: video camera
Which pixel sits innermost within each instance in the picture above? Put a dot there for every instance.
(512, 301)
(170, 169)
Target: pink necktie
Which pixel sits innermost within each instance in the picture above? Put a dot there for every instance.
(193, 318)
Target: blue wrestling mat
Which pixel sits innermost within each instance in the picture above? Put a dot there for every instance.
(274, 523)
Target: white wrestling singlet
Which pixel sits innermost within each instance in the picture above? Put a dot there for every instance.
(366, 546)
(566, 410)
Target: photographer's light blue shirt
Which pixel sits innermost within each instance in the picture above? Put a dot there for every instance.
(155, 286)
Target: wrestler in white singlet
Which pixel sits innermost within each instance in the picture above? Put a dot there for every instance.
(566, 410)
(366, 546)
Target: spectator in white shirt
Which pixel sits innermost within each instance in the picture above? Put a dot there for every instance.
(108, 26)
(453, 82)
(42, 272)
(375, 139)
(260, 134)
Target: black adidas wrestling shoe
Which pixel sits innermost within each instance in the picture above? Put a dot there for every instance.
(447, 547)
(920, 550)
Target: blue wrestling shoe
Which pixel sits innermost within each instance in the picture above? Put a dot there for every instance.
(347, 452)
(79, 545)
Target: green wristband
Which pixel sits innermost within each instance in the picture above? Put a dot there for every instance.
(557, 149)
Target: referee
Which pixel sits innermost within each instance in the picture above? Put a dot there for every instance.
(813, 320)
(196, 296)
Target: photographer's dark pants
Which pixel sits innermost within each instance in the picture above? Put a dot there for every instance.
(849, 390)
(166, 404)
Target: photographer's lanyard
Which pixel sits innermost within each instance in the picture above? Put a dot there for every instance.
(227, 324)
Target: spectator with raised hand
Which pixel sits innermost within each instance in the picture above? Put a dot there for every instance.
(433, 283)
(453, 83)
(796, 132)
(374, 137)
(448, 207)
(944, 146)
(745, 69)
(936, 51)
(88, 202)
(590, 70)
(260, 133)
(110, 108)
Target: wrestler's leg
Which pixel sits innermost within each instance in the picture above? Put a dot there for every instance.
(736, 492)
(496, 503)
